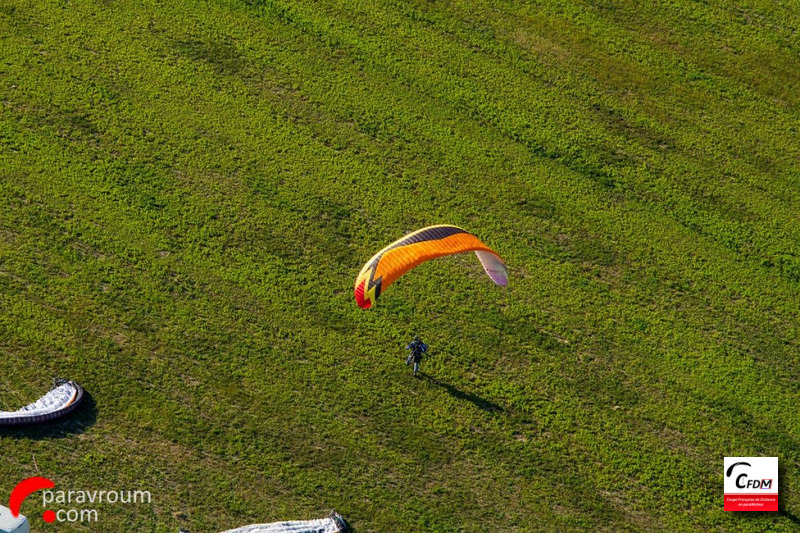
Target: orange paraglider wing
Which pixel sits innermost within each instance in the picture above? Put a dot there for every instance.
(425, 244)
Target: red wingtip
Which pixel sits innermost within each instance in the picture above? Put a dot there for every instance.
(359, 294)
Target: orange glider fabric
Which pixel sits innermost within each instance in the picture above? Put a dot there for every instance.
(415, 248)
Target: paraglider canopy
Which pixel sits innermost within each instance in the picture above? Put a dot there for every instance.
(335, 523)
(422, 245)
(63, 398)
(12, 524)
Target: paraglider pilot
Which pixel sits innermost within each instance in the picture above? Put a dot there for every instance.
(417, 348)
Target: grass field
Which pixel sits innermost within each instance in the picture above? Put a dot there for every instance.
(188, 190)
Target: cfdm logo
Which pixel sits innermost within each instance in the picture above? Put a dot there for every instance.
(751, 483)
(742, 482)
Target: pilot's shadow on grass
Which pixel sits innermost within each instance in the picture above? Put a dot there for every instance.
(477, 401)
(74, 423)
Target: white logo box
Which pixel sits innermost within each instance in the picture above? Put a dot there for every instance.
(751, 483)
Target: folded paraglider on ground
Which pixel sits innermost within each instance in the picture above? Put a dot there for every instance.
(12, 524)
(62, 399)
(335, 523)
